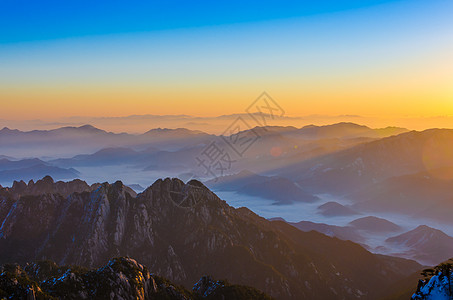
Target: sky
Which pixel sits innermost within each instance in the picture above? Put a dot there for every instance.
(391, 59)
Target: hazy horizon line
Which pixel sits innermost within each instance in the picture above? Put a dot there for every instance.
(141, 123)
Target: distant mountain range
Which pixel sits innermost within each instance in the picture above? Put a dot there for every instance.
(425, 244)
(402, 173)
(358, 231)
(343, 130)
(9, 164)
(407, 173)
(419, 195)
(346, 233)
(176, 149)
(32, 169)
(374, 224)
(67, 141)
(182, 231)
(410, 173)
(355, 168)
(278, 189)
(335, 209)
(88, 139)
(142, 123)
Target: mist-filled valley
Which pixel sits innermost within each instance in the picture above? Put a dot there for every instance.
(388, 189)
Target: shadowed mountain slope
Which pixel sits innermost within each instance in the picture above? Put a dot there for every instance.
(183, 231)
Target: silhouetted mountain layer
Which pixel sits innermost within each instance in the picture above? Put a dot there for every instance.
(346, 130)
(6, 157)
(32, 169)
(87, 139)
(150, 159)
(8, 164)
(279, 189)
(334, 209)
(277, 146)
(342, 130)
(356, 168)
(418, 195)
(183, 231)
(272, 149)
(346, 233)
(280, 146)
(374, 224)
(425, 244)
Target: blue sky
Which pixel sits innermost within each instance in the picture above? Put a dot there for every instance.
(318, 57)
(42, 20)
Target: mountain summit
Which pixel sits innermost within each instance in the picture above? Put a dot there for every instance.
(183, 231)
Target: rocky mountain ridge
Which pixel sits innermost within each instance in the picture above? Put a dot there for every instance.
(182, 231)
(120, 278)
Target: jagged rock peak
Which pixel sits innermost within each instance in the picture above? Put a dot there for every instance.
(118, 184)
(186, 195)
(19, 186)
(117, 188)
(172, 184)
(47, 185)
(47, 180)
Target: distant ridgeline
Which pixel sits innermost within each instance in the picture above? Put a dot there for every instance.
(120, 278)
(438, 283)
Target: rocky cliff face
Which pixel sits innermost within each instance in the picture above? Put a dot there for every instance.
(120, 278)
(47, 186)
(437, 288)
(183, 231)
(437, 284)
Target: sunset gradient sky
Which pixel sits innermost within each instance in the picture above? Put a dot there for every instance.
(112, 58)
